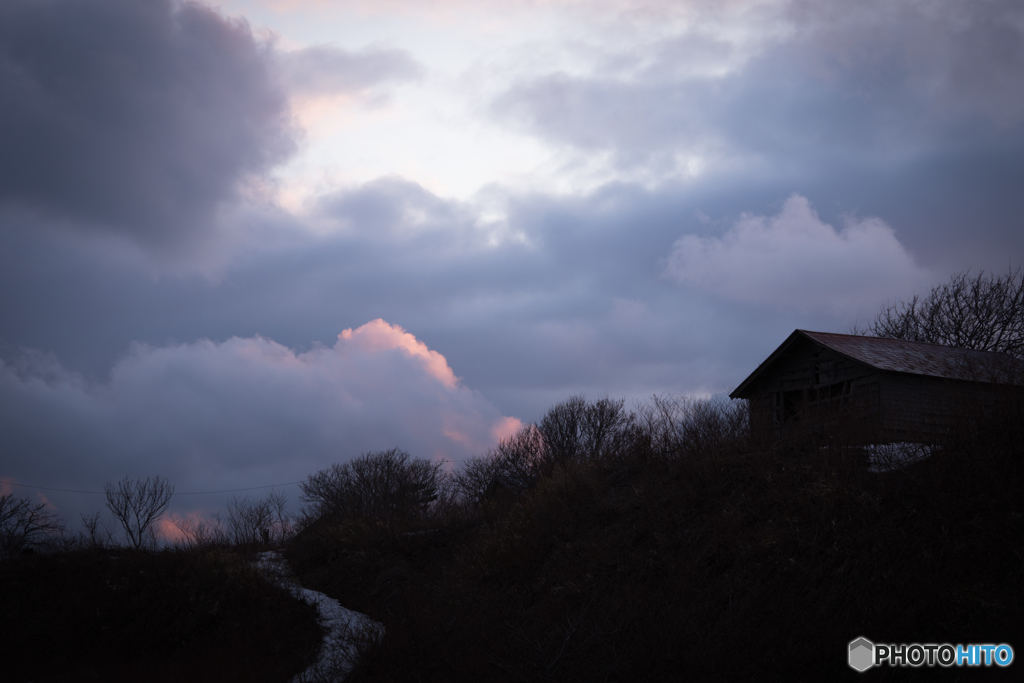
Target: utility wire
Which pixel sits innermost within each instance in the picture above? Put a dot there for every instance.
(176, 493)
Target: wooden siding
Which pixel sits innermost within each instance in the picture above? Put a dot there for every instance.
(809, 387)
(925, 409)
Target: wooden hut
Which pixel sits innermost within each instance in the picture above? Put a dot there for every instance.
(878, 390)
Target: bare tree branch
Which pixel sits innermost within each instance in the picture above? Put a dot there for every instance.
(247, 519)
(198, 531)
(23, 524)
(983, 312)
(137, 504)
(385, 486)
(515, 464)
(97, 533)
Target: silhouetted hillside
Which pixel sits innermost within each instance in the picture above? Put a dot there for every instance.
(706, 556)
(134, 615)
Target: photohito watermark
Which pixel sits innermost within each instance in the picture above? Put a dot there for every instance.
(863, 654)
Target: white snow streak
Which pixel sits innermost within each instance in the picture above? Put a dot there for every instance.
(343, 628)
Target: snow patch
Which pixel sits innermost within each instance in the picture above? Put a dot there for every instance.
(344, 629)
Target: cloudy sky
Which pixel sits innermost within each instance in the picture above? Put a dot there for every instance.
(242, 241)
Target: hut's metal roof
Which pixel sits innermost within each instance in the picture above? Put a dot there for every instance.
(897, 355)
(916, 358)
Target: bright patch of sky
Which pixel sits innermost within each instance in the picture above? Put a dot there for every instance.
(439, 132)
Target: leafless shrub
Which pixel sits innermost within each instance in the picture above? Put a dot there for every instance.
(200, 531)
(90, 523)
(711, 426)
(24, 524)
(259, 521)
(605, 422)
(562, 429)
(687, 426)
(575, 429)
(96, 532)
(984, 312)
(137, 504)
(659, 423)
(247, 520)
(449, 504)
(282, 525)
(572, 431)
(389, 487)
(576, 432)
(513, 465)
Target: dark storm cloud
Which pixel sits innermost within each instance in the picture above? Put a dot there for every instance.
(879, 80)
(328, 70)
(955, 59)
(136, 118)
(909, 112)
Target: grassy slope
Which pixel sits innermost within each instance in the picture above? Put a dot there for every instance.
(120, 615)
(726, 565)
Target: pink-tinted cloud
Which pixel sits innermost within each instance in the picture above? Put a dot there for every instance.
(189, 526)
(378, 335)
(167, 529)
(506, 428)
(242, 412)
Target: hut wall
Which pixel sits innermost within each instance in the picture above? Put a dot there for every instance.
(925, 409)
(811, 388)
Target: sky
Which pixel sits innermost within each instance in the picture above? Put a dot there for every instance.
(240, 242)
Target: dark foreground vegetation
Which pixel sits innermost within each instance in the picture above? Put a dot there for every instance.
(667, 544)
(600, 544)
(117, 614)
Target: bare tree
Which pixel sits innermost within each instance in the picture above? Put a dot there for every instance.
(385, 486)
(24, 524)
(514, 465)
(259, 521)
(281, 526)
(199, 531)
(562, 428)
(247, 520)
(137, 504)
(97, 533)
(576, 429)
(983, 312)
(603, 422)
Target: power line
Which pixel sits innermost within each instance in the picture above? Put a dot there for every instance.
(251, 488)
(176, 493)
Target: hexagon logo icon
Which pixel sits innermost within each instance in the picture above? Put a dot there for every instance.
(862, 654)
